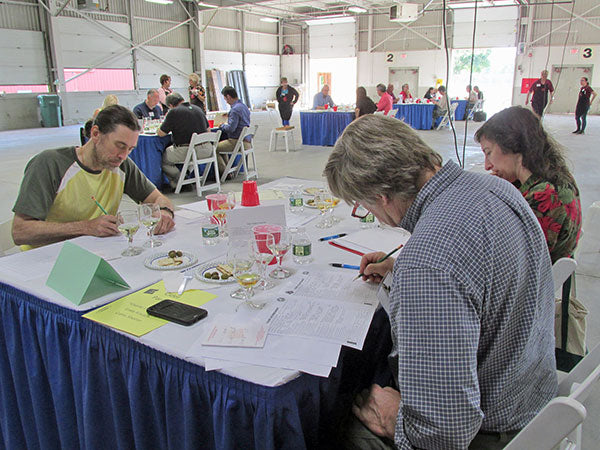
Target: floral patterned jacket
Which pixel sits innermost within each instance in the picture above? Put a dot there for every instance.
(559, 212)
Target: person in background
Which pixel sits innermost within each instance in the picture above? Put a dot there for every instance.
(441, 105)
(323, 98)
(149, 108)
(287, 97)
(540, 91)
(430, 94)
(237, 118)
(385, 103)
(163, 91)
(518, 149)
(364, 104)
(390, 90)
(584, 101)
(471, 100)
(54, 201)
(479, 93)
(405, 93)
(196, 91)
(473, 350)
(182, 121)
(109, 100)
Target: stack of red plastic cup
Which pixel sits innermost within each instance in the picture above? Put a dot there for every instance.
(250, 193)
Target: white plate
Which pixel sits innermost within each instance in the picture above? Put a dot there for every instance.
(211, 267)
(312, 204)
(311, 190)
(188, 259)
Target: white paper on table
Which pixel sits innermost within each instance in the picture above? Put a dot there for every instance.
(375, 239)
(331, 285)
(200, 206)
(220, 364)
(341, 322)
(299, 220)
(241, 220)
(227, 331)
(190, 215)
(21, 266)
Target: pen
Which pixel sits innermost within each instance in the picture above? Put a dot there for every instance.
(382, 259)
(335, 236)
(344, 266)
(99, 205)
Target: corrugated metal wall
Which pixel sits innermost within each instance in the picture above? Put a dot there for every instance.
(582, 32)
(17, 17)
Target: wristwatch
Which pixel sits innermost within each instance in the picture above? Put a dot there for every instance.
(166, 208)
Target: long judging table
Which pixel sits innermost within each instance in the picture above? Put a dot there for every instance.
(69, 382)
(148, 156)
(417, 115)
(323, 127)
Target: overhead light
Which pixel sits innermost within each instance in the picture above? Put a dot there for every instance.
(161, 2)
(269, 19)
(328, 20)
(357, 9)
(206, 5)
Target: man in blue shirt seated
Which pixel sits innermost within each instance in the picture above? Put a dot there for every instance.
(237, 118)
(323, 98)
(149, 108)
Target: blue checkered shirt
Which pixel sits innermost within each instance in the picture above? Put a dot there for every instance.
(472, 313)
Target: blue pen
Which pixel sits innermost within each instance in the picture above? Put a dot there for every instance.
(335, 236)
(344, 266)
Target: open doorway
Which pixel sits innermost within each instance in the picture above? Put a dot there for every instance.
(493, 73)
(340, 75)
(566, 80)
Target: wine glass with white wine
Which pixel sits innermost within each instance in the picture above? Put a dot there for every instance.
(244, 270)
(128, 222)
(150, 216)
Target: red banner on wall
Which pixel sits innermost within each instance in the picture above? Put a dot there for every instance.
(526, 84)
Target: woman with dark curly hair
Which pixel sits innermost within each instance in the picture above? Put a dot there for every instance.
(518, 149)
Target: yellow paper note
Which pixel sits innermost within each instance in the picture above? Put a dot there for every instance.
(129, 314)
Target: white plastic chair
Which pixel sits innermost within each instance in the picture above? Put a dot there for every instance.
(562, 270)
(478, 106)
(285, 133)
(192, 162)
(244, 153)
(446, 118)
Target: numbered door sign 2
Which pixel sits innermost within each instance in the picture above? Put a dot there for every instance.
(587, 52)
(390, 57)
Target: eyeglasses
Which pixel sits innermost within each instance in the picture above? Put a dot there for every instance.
(359, 211)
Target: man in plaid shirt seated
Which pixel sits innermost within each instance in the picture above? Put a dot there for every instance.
(471, 303)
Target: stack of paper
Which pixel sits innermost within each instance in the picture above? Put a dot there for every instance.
(375, 239)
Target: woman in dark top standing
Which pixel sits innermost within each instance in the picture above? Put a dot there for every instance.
(364, 105)
(287, 97)
(583, 105)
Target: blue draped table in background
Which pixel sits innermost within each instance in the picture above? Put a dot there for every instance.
(67, 382)
(148, 156)
(323, 127)
(460, 110)
(417, 115)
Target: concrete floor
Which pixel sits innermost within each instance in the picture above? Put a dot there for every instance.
(17, 147)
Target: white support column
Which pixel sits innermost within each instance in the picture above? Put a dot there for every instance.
(243, 39)
(136, 83)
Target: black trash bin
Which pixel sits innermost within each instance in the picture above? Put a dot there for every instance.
(49, 110)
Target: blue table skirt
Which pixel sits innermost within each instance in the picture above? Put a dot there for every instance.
(148, 157)
(67, 382)
(460, 110)
(323, 128)
(418, 116)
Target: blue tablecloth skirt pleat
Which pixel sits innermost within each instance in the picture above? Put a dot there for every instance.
(418, 116)
(323, 128)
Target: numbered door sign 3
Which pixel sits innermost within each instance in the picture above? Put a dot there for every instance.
(587, 52)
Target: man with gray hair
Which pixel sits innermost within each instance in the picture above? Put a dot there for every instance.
(183, 120)
(149, 108)
(471, 301)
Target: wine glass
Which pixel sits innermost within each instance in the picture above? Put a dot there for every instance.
(128, 222)
(150, 216)
(221, 213)
(240, 260)
(324, 202)
(262, 256)
(279, 245)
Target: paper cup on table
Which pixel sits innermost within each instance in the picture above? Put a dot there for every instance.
(250, 193)
(260, 234)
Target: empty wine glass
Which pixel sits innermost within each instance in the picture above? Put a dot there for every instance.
(150, 216)
(128, 222)
(279, 246)
(262, 255)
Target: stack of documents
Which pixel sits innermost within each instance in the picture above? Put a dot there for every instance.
(374, 239)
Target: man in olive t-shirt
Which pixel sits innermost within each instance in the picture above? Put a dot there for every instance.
(54, 201)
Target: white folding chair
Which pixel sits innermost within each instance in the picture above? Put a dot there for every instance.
(562, 270)
(478, 106)
(7, 245)
(285, 132)
(553, 425)
(379, 113)
(446, 118)
(391, 113)
(234, 166)
(192, 162)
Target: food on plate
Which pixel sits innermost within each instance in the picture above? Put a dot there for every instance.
(173, 259)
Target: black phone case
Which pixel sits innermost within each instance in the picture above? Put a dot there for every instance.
(176, 312)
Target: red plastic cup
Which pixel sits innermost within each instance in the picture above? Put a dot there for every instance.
(250, 193)
(211, 124)
(335, 108)
(215, 200)
(260, 234)
(326, 105)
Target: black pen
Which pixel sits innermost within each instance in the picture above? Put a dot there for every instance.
(344, 266)
(335, 236)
